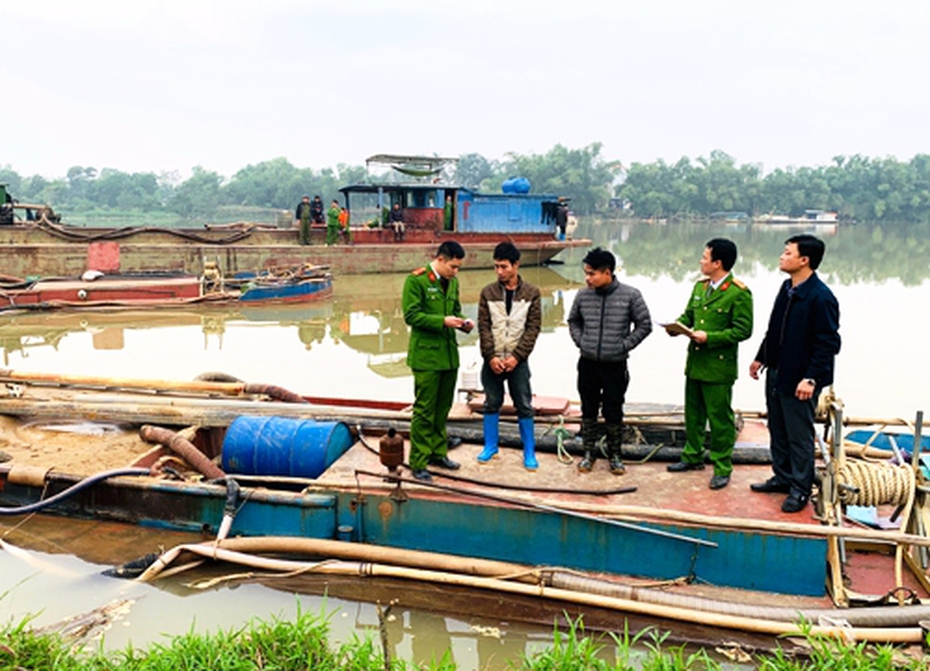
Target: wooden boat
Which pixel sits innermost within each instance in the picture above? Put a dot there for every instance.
(164, 290)
(727, 558)
(478, 221)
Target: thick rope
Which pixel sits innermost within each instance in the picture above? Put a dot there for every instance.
(878, 484)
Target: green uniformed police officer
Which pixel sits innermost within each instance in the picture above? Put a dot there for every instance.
(433, 312)
(719, 316)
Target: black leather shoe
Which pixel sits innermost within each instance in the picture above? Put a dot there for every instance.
(683, 466)
(719, 481)
(770, 486)
(423, 475)
(445, 462)
(454, 441)
(794, 503)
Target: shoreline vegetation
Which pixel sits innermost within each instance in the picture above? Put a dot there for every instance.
(857, 188)
(304, 643)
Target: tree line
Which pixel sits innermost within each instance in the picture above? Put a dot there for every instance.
(857, 187)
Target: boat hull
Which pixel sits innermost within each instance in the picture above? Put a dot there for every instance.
(168, 290)
(449, 524)
(35, 251)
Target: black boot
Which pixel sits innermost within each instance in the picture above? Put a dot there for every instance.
(614, 448)
(589, 443)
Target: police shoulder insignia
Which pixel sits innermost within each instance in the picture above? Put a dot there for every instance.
(738, 283)
(419, 271)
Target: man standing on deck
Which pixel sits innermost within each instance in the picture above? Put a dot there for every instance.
(607, 320)
(447, 211)
(509, 320)
(302, 215)
(719, 314)
(316, 210)
(799, 350)
(332, 223)
(433, 312)
(344, 225)
(561, 217)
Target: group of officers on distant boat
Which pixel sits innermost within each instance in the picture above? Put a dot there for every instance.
(310, 212)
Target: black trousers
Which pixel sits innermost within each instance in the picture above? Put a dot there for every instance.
(603, 384)
(791, 436)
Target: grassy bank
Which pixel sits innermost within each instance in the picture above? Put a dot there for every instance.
(304, 643)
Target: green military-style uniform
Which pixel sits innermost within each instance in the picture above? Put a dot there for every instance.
(433, 355)
(303, 215)
(725, 314)
(332, 225)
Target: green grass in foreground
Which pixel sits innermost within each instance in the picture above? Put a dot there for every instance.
(304, 644)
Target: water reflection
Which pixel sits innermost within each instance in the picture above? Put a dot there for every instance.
(855, 253)
(355, 344)
(364, 314)
(55, 574)
(365, 311)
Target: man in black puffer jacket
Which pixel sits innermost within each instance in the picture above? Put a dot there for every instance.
(607, 321)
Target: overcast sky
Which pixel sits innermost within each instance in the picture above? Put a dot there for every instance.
(165, 85)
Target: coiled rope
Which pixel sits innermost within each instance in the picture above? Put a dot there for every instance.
(876, 484)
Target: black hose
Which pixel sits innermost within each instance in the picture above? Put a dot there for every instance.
(232, 497)
(72, 490)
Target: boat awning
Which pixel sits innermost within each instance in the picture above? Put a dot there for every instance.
(430, 163)
(365, 187)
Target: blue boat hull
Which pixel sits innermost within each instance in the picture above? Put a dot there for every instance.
(742, 559)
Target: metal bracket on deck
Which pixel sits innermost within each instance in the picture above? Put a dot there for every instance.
(398, 494)
(356, 502)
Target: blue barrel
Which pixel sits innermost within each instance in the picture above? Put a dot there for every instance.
(281, 446)
(521, 185)
(516, 185)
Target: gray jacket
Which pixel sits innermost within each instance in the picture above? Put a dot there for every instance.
(607, 323)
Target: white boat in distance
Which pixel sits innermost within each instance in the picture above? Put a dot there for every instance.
(809, 217)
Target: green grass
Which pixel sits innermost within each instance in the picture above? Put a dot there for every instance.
(304, 643)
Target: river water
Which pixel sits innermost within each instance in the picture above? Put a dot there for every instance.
(355, 346)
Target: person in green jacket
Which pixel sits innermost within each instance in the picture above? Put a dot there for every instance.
(718, 317)
(433, 312)
(447, 212)
(302, 215)
(332, 223)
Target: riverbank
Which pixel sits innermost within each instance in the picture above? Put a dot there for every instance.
(304, 643)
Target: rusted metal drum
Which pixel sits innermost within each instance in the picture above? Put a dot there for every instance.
(391, 449)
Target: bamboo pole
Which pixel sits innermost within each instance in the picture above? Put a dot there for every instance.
(645, 418)
(640, 513)
(225, 388)
(736, 622)
(884, 616)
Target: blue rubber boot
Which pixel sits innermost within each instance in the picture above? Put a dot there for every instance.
(491, 435)
(528, 438)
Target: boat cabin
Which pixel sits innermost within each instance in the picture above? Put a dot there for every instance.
(427, 202)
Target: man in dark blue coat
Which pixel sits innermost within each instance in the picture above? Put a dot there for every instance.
(798, 350)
